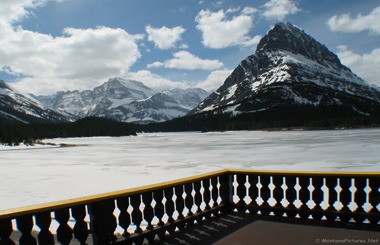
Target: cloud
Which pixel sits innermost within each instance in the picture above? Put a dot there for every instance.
(155, 81)
(220, 32)
(164, 37)
(214, 80)
(186, 60)
(78, 59)
(366, 66)
(233, 10)
(14, 10)
(184, 46)
(251, 42)
(279, 9)
(249, 10)
(155, 64)
(346, 23)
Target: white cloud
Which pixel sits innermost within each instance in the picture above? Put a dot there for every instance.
(279, 9)
(249, 10)
(251, 42)
(155, 81)
(346, 23)
(78, 59)
(214, 80)
(220, 32)
(184, 46)
(155, 64)
(164, 37)
(186, 60)
(14, 10)
(365, 66)
(233, 10)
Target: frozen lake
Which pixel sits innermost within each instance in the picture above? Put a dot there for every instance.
(31, 175)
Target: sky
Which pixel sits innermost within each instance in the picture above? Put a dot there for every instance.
(53, 45)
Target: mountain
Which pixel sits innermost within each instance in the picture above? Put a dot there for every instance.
(114, 92)
(18, 107)
(160, 107)
(291, 70)
(125, 100)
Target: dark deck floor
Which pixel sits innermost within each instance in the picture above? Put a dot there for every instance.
(269, 232)
(243, 229)
(240, 229)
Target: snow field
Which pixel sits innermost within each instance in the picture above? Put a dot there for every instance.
(38, 174)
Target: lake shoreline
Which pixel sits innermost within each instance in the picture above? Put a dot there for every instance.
(106, 164)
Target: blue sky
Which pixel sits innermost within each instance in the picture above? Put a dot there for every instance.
(51, 45)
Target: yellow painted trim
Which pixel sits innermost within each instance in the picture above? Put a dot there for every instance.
(301, 173)
(32, 209)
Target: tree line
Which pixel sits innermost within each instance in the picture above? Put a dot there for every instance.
(283, 117)
(14, 134)
(301, 116)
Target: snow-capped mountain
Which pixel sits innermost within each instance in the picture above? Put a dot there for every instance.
(18, 107)
(125, 100)
(189, 98)
(289, 67)
(113, 93)
(160, 107)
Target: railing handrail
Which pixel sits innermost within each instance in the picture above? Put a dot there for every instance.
(306, 173)
(31, 209)
(158, 211)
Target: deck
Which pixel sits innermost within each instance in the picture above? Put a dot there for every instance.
(237, 229)
(243, 229)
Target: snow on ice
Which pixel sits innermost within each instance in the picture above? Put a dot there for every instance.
(32, 175)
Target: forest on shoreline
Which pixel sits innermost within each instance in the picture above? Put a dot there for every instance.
(281, 118)
(14, 134)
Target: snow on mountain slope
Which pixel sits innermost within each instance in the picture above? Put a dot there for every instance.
(126, 100)
(188, 98)
(289, 67)
(118, 88)
(113, 93)
(160, 107)
(18, 107)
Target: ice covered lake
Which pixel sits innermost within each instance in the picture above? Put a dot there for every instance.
(32, 175)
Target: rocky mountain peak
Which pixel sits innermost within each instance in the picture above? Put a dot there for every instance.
(125, 100)
(19, 107)
(3, 85)
(290, 68)
(119, 88)
(285, 36)
(118, 82)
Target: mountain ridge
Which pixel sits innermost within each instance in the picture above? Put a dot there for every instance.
(290, 67)
(125, 100)
(16, 107)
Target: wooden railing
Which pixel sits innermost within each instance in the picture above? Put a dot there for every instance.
(155, 212)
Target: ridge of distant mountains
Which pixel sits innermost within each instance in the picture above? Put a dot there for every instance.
(118, 99)
(125, 100)
(292, 70)
(21, 108)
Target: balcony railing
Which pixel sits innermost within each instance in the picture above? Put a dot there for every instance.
(157, 212)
